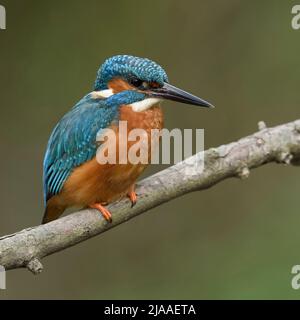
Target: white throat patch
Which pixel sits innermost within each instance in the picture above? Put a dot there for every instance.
(144, 104)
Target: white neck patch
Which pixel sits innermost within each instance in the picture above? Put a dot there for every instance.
(103, 94)
(144, 104)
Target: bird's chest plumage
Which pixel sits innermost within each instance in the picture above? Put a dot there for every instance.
(93, 182)
(146, 120)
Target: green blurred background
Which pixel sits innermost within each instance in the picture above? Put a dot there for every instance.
(238, 240)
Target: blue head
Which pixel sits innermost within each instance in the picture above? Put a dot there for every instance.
(132, 69)
(144, 80)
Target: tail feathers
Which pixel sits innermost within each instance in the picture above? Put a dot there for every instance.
(52, 211)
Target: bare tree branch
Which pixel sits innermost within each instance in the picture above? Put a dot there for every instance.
(280, 144)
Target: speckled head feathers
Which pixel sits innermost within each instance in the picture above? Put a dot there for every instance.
(126, 67)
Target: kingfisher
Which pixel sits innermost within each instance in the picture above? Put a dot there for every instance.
(127, 88)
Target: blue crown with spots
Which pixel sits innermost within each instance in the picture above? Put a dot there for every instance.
(127, 67)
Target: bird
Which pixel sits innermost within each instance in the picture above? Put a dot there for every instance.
(127, 88)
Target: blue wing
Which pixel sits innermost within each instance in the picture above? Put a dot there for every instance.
(73, 141)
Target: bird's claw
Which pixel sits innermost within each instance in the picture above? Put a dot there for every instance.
(105, 212)
(133, 198)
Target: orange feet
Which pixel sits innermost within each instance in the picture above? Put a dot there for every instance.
(132, 196)
(105, 212)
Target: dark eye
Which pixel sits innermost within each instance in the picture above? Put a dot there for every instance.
(136, 82)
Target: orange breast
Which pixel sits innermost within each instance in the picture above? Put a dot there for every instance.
(93, 182)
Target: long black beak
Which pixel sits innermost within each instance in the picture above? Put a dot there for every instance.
(170, 92)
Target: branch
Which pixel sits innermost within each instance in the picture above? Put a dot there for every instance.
(280, 144)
